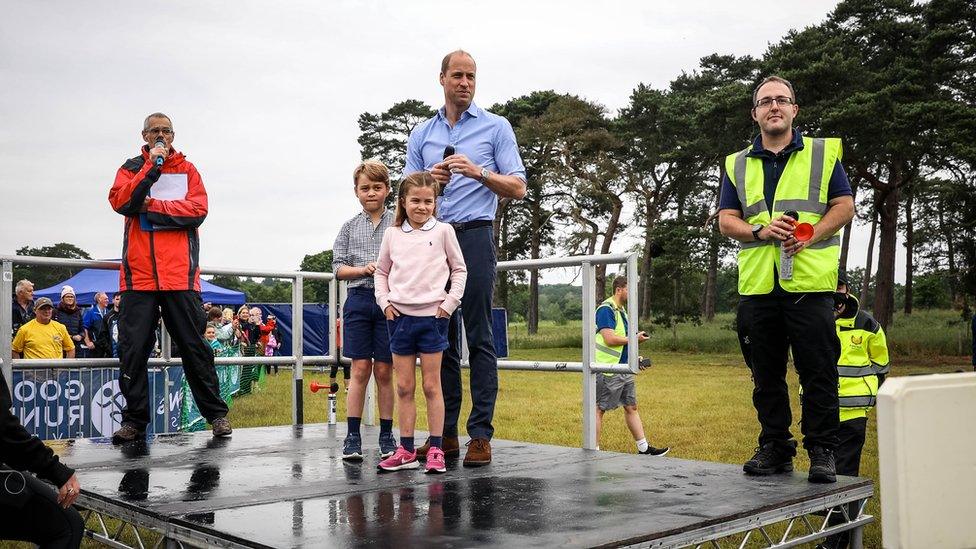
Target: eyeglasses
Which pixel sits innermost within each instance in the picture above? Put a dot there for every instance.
(782, 101)
(164, 131)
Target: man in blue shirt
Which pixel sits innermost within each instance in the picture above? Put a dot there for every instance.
(473, 154)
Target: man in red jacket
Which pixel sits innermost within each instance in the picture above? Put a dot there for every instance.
(161, 195)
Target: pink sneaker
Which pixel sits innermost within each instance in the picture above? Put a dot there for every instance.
(401, 459)
(435, 461)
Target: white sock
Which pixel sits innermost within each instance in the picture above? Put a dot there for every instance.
(642, 445)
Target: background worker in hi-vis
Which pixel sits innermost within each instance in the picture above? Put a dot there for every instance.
(861, 369)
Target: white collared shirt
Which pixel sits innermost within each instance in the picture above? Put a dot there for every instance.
(407, 227)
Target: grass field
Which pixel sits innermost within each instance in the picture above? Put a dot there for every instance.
(926, 333)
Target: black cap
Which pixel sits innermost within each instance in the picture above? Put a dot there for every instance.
(842, 277)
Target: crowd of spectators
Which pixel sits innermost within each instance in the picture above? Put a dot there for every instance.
(94, 333)
(242, 334)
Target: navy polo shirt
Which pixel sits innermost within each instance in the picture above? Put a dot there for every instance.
(773, 164)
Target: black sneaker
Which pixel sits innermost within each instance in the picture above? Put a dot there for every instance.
(822, 465)
(352, 447)
(769, 459)
(652, 451)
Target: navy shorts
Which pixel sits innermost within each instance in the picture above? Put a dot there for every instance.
(410, 335)
(364, 333)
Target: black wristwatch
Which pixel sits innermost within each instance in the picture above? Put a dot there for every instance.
(755, 230)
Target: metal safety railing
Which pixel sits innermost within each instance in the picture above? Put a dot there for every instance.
(296, 359)
(587, 366)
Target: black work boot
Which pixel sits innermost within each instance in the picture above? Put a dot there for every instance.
(772, 457)
(822, 465)
(128, 433)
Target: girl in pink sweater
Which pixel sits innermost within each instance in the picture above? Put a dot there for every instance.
(419, 281)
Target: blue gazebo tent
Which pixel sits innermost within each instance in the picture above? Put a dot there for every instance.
(88, 282)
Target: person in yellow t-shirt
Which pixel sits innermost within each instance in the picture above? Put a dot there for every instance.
(43, 337)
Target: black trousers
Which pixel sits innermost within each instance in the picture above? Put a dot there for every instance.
(40, 519)
(182, 311)
(804, 322)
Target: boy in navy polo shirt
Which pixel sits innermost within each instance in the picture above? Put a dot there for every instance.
(365, 339)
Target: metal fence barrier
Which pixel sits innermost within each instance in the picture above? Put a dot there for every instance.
(587, 366)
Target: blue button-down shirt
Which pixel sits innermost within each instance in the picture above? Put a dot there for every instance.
(486, 139)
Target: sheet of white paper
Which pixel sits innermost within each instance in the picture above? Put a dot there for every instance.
(169, 186)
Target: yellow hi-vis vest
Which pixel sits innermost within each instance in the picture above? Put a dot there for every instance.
(802, 187)
(609, 354)
(863, 355)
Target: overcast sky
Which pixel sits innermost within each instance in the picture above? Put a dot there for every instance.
(264, 97)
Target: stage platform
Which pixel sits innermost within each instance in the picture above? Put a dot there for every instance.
(288, 486)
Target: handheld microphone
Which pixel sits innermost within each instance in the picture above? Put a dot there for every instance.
(160, 143)
(448, 151)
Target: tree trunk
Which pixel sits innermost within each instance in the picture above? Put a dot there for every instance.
(674, 315)
(884, 295)
(845, 245)
(532, 316)
(711, 278)
(869, 264)
(500, 227)
(909, 251)
(645, 267)
(950, 249)
(608, 234)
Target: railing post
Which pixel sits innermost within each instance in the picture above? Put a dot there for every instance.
(633, 280)
(589, 380)
(166, 348)
(6, 323)
(297, 347)
(333, 319)
(165, 342)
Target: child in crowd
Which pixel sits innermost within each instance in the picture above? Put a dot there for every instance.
(365, 339)
(420, 279)
(210, 334)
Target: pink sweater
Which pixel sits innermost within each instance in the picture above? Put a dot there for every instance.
(414, 267)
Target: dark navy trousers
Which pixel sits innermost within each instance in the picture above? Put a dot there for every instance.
(478, 249)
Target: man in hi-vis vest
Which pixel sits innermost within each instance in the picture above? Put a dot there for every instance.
(614, 390)
(787, 285)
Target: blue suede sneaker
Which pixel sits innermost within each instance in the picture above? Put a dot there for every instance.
(352, 447)
(388, 445)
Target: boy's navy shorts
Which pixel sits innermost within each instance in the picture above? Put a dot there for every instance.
(410, 335)
(364, 332)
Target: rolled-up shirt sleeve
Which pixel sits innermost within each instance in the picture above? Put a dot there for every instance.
(340, 249)
(508, 160)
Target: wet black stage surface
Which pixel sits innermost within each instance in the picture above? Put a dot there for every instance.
(288, 486)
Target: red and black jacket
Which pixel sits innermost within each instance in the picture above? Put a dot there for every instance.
(167, 258)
